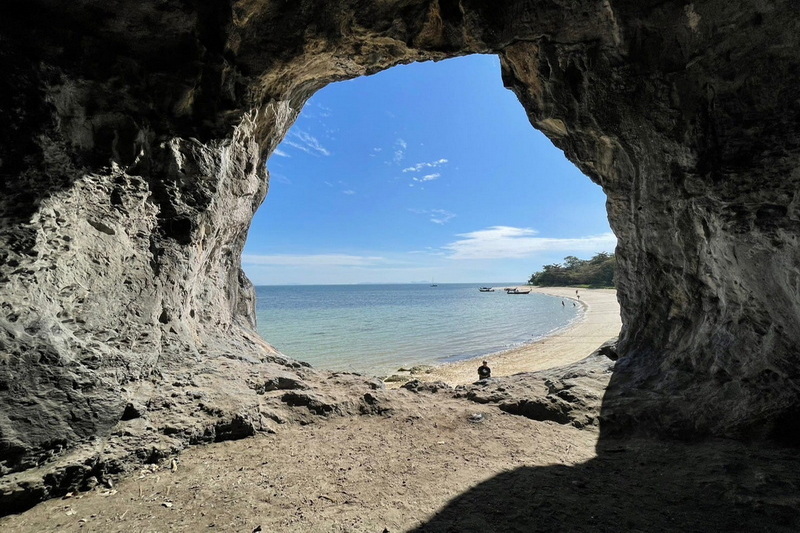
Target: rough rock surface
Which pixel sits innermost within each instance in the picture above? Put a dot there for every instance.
(132, 160)
(568, 395)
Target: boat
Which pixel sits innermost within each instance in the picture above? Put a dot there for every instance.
(517, 291)
(486, 289)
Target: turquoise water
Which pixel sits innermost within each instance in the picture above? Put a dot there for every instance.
(376, 329)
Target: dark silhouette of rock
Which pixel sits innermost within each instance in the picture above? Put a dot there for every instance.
(132, 160)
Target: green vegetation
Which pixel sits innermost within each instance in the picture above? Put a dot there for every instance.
(595, 272)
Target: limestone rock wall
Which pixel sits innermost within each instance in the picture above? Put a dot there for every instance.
(132, 160)
(689, 127)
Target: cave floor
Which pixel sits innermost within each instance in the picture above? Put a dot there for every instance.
(433, 465)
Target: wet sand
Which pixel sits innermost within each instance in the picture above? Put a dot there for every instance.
(600, 322)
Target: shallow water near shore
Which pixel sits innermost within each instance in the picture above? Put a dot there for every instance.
(376, 329)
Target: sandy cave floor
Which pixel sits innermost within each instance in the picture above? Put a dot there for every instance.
(433, 465)
(429, 467)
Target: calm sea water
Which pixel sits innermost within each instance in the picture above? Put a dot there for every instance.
(376, 329)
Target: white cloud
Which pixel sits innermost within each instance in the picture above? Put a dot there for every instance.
(437, 216)
(315, 111)
(311, 260)
(279, 178)
(427, 251)
(325, 112)
(505, 242)
(429, 177)
(420, 166)
(306, 143)
(399, 150)
(280, 152)
(440, 216)
(349, 192)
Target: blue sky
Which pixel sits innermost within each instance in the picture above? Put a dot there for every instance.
(428, 171)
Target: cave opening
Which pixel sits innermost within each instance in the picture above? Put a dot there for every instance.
(131, 169)
(427, 173)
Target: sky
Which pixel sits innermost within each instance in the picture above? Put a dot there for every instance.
(423, 172)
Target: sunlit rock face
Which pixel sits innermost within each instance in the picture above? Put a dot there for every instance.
(132, 160)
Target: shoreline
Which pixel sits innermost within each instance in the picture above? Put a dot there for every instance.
(599, 323)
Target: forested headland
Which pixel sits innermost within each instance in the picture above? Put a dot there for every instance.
(595, 272)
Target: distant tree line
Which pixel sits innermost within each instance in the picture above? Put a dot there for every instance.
(595, 272)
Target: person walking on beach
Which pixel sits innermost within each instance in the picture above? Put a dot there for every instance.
(484, 371)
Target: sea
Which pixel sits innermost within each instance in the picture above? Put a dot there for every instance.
(377, 329)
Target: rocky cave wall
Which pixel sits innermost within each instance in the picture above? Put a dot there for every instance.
(132, 160)
(689, 126)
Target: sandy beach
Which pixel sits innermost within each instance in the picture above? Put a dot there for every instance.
(600, 322)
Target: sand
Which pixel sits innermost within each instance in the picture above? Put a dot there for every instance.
(600, 322)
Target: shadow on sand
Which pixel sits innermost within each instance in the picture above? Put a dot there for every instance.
(638, 485)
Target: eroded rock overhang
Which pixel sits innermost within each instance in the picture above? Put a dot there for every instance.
(132, 159)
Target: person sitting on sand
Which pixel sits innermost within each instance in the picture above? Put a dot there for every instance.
(484, 371)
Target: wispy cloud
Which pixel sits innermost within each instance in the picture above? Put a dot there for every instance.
(428, 251)
(279, 178)
(437, 216)
(324, 112)
(315, 111)
(425, 165)
(420, 166)
(428, 177)
(349, 192)
(312, 260)
(305, 142)
(399, 150)
(280, 152)
(505, 242)
(440, 216)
